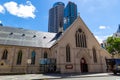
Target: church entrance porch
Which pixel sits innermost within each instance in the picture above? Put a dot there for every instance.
(83, 65)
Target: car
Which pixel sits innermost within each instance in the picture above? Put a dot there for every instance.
(113, 65)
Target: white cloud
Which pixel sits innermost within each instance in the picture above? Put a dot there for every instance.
(20, 10)
(2, 10)
(101, 38)
(102, 27)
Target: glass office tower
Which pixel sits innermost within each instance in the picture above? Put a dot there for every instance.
(70, 14)
(56, 16)
(118, 31)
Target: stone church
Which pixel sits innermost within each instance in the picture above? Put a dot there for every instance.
(75, 50)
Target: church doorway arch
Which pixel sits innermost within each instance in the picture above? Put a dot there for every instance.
(84, 65)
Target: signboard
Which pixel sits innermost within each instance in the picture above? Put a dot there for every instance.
(69, 66)
(29, 61)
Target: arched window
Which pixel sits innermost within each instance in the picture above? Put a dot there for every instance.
(45, 55)
(80, 39)
(94, 55)
(33, 55)
(68, 59)
(5, 54)
(19, 58)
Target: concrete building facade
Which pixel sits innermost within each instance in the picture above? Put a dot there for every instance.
(56, 15)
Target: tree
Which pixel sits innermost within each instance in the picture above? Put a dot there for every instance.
(113, 45)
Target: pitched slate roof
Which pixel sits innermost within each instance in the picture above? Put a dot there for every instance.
(23, 37)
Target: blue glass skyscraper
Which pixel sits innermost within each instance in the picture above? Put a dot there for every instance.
(70, 14)
(56, 16)
(118, 31)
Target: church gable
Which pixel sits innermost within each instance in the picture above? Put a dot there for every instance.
(77, 45)
(78, 35)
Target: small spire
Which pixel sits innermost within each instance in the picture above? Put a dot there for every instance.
(78, 14)
(60, 27)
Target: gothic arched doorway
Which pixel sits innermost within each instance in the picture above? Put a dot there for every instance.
(84, 65)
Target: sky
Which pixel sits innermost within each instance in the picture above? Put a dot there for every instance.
(102, 17)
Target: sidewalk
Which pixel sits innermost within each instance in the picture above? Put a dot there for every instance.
(79, 75)
(51, 76)
(59, 76)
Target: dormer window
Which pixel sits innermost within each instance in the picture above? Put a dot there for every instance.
(23, 34)
(34, 36)
(11, 33)
(44, 37)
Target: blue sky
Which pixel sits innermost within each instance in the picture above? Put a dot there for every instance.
(101, 16)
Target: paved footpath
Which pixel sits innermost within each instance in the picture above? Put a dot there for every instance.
(50, 76)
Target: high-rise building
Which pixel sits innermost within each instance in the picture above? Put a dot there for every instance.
(70, 14)
(56, 15)
(117, 34)
(118, 31)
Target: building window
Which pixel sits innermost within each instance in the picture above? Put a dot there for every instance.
(19, 58)
(45, 55)
(5, 54)
(80, 39)
(94, 55)
(33, 55)
(68, 59)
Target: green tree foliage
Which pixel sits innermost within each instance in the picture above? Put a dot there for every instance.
(113, 45)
